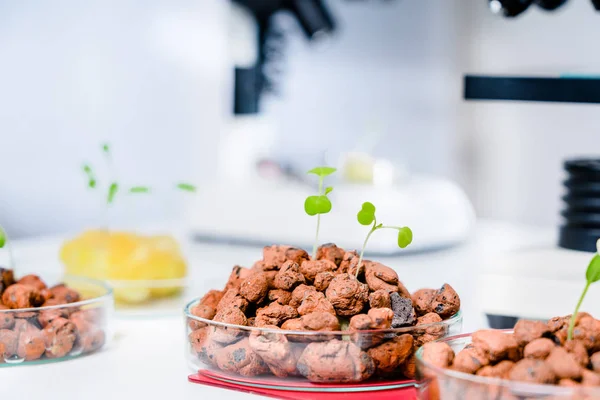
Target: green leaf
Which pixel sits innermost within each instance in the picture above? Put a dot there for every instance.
(314, 205)
(593, 270)
(106, 148)
(365, 218)
(112, 191)
(328, 190)
(368, 207)
(405, 237)
(187, 187)
(92, 183)
(322, 171)
(2, 238)
(311, 205)
(139, 189)
(87, 169)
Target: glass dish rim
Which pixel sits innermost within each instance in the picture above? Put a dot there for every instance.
(450, 321)
(506, 383)
(106, 296)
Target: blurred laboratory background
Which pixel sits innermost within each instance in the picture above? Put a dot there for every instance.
(156, 80)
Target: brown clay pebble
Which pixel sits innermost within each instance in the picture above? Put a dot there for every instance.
(212, 298)
(237, 276)
(317, 321)
(534, 371)
(577, 349)
(34, 281)
(274, 314)
(323, 279)
(45, 317)
(59, 337)
(315, 302)
(380, 299)
(275, 350)
(381, 318)
(380, 277)
(64, 294)
(202, 311)
(31, 342)
(347, 295)
(403, 291)
(563, 364)
(422, 299)
(526, 331)
(232, 298)
(239, 358)
(589, 378)
(438, 354)
(204, 346)
(289, 276)
(587, 329)
(6, 278)
(274, 256)
(446, 302)
(539, 348)
(232, 315)
(7, 319)
(349, 261)
(404, 313)
(360, 322)
(9, 343)
(500, 370)
(567, 383)
(255, 288)
(409, 368)
(431, 332)
(335, 361)
(331, 252)
(496, 344)
(21, 296)
(299, 294)
(469, 360)
(390, 355)
(311, 268)
(282, 297)
(595, 360)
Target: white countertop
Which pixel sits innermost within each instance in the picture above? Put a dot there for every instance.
(146, 358)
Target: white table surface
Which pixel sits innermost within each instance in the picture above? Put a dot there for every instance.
(146, 357)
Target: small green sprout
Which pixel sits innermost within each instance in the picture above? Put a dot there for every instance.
(319, 204)
(366, 216)
(4, 243)
(114, 188)
(592, 275)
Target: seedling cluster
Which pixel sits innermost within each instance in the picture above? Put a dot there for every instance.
(114, 187)
(320, 204)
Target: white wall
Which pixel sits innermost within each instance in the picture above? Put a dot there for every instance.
(518, 148)
(152, 77)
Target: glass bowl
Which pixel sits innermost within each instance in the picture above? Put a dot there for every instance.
(435, 383)
(301, 360)
(59, 332)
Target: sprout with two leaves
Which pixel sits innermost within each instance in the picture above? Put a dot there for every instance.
(366, 216)
(319, 204)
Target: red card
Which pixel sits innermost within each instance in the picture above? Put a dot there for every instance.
(309, 391)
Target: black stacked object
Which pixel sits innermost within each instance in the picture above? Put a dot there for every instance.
(581, 228)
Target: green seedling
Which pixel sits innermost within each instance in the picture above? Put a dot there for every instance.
(4, 243)
(319, 204)
(114, 188)
(592, 275)
(366, 216)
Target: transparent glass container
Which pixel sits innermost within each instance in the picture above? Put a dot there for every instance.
(59, 332)
(436, 383)
(308, 360)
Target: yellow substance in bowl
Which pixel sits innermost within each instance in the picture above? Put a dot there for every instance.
(143, 262)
